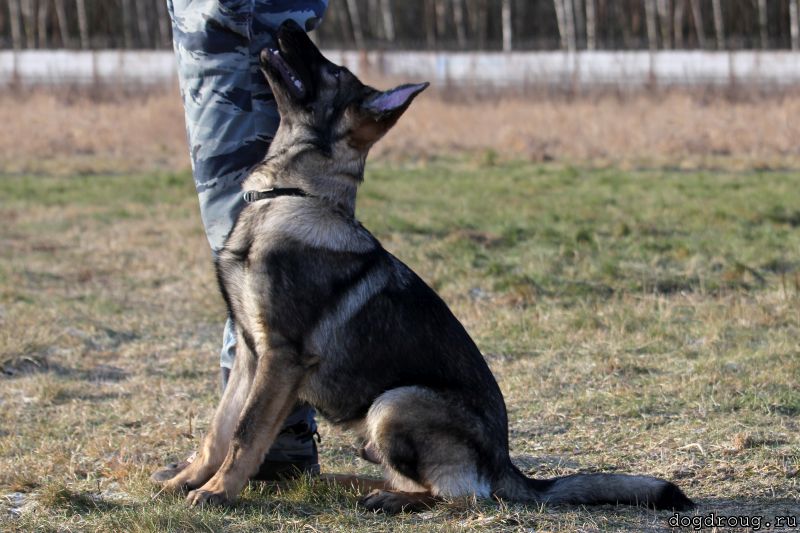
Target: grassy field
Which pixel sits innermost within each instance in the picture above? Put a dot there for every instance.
(637, 321)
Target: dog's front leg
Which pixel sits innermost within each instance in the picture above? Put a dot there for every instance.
(272, 396)
(216, 443)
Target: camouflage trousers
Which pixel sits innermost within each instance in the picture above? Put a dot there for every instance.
(231, 118)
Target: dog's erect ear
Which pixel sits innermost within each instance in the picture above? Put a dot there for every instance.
(392, 102)
(380, 110)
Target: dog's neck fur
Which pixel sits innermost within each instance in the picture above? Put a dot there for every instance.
(336, 184)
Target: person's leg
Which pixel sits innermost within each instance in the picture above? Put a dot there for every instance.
(230, 121)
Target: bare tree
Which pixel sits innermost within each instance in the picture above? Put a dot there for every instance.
(29, 22)
(762, 23)
(482, 22)
(718, 24)
(163, 24)
(14, 21)
(461, 28)
(697, 16)
(566, 24)
(143, 23)
(507, 31)
(338, 12)
(650, 15)
(580, 22)
(665, 19)
(63, 26)
(561, 19)
(440, 16)
(388, 20)
(127, 24)
(355, 23)
(677, 23)
(591, 26)
(666, 24)
(623, 22)
(42, 16)
(373, 25)
(430, 23)
(83, 24)
(569, 16)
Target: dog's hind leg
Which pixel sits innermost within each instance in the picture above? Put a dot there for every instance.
(429, 450)
(216, 443)
(272, 396)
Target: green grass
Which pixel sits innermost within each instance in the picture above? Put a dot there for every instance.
(637, 321)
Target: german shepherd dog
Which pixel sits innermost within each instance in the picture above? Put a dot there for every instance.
(325, 315)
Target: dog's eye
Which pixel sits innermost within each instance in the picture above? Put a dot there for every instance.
(337, 73)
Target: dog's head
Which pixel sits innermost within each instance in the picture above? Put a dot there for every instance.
(325, 105)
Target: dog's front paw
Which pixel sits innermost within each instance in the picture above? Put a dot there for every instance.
(205, 496)
(217, 491)
(191, 476)
(183, 483)
(174, 486)
(396, 502)
(162, 475)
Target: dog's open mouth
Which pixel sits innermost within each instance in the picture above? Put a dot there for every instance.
(290, 78)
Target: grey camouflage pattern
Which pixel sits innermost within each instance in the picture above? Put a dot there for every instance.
(230, 114)
(231, 118)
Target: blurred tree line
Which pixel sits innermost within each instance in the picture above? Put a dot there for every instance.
(438, 24)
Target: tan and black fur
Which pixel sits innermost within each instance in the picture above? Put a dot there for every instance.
(326, 315)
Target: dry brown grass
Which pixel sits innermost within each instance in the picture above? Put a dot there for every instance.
(76, 131)
(69, 131)
(673, 129)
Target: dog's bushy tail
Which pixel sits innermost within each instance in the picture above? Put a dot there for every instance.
(594, 489)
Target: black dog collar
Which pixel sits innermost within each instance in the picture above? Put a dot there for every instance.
(254, 196)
